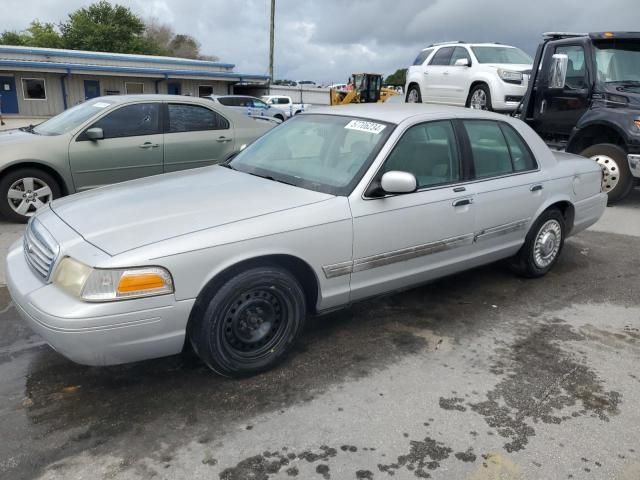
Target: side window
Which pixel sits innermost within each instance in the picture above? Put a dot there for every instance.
(228, 101)
(131, 121)
(422, 56)
(491, 156)
(576, 71)
(258, 103)
(430, 152)
(194, 118)
(282, 101)
(442, 56)
(521, 156)
(458, 53)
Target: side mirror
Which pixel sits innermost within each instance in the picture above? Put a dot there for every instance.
(398, 182)
(558, 71)
(462, 62)
(95, 134)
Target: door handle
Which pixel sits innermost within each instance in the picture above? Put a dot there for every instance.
(223, 139)
(445, 73)
(459, 189)
(536, 188)
(543, 105)
(462, 201)
(149, 145)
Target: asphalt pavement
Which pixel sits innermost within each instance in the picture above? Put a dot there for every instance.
(480, 376)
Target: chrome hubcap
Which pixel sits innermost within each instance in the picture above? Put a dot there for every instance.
(610, 172)
(479, 100)
(27, 195)
(413, 96)
(547, 244)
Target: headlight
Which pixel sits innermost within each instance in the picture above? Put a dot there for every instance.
(510, 75)
(104, 285)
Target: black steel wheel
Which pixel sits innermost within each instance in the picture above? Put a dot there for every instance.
(251, 322)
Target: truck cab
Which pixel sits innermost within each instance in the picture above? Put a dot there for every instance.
(584, 96)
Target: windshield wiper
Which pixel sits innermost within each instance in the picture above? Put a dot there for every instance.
(28, 129)
(228, 165)
(632, 83)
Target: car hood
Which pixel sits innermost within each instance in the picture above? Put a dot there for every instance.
(15, 136)
(130, 215)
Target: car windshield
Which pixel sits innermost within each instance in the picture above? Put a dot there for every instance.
(501, 55)
(618, 61)
(325, 153)
(72, 118)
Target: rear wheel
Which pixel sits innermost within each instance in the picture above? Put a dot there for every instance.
(617, 180)
(250, 323)
(25, 191)
(413, 95)
(479, 98)
(542, 246)
(279, 117)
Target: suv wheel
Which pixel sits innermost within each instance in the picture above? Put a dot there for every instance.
(250, 323)
(25, 191)
(617, 181)
(480, 98)
(413, 95)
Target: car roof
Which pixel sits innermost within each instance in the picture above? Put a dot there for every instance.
(461, 44)
(398, 112)
(155, 97)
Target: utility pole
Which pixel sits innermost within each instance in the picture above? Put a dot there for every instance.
(271, 37)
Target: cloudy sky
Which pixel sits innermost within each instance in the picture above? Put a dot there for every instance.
(326, 40)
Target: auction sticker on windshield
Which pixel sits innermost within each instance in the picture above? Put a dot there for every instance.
(362, 126)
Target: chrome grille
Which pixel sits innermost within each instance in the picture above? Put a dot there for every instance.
(40, 249)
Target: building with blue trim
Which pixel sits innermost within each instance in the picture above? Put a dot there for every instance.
(45, 81)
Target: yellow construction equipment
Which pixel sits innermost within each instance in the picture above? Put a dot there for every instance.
(363, 88)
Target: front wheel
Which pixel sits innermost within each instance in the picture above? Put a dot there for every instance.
(542, 246)
(413, 95)
(480, 98)
(250, 323)
(25, 191)
(617, 180)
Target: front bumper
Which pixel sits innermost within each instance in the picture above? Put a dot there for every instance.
(506, 96)
(96, 333)
(634, 164)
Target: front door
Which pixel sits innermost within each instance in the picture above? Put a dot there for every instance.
(174, 88)
(8, 96)
(132, 147)
(437, 76)
(91, 89)
(401, 240)
(558, 111)
(458, 78)
(196, 136)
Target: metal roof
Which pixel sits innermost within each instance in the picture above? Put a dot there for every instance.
(122, 57)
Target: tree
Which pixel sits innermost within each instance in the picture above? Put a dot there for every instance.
(399, 77)
(106, 28)
(172, 44)
(37, 35)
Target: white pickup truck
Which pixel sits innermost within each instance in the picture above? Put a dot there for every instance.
(284, 103)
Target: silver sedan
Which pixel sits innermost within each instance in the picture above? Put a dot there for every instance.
(336, 206)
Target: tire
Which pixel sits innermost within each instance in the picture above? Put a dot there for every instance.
(617, 181)
(250, 323)
(30, 190)
(413, 95)
(542, 246)
(481, 97)
(279, 117)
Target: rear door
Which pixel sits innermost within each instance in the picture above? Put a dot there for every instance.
(195, 136)
(509, 185)
(436, 81)
(131, 147)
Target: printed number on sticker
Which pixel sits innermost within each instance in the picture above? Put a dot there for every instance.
(362, 126)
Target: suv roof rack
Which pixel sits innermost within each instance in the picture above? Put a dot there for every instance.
(445, 43)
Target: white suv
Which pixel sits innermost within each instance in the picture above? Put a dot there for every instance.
(486, 76)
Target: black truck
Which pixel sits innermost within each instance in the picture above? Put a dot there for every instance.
(584, 96)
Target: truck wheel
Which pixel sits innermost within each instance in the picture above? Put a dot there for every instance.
(250, 323)
(25, 191)
(617, 181)
(479, 98)
(542, 246)
(279, 117)
(413, 95)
